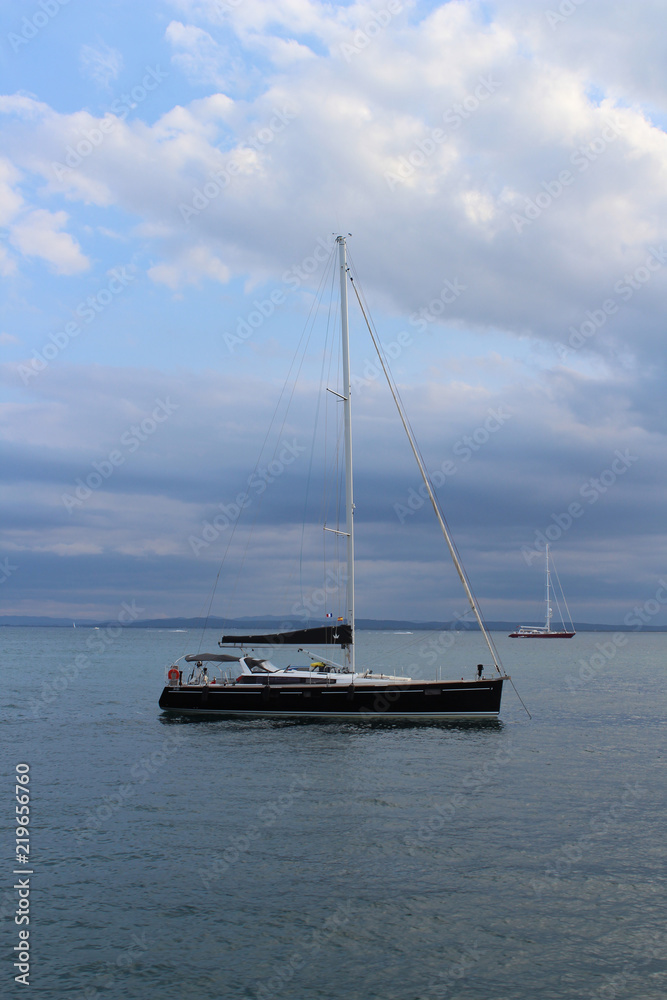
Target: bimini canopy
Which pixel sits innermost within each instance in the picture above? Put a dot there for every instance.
(326, 635)
(210, 658)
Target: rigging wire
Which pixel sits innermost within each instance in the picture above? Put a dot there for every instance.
(329, 274)
(300, 355)
(284, 399)
(333, 497)
(393, 388)
(422, 467)
(562, 594)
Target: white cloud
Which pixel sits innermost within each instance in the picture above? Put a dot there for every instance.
(197, 54)
(11, 200)
(24, 106)
(39, 234)
(552, 434)
(254, 20)
(101, 64)
(7, 265)
(619, 53)
(509, 116)
(190, 268)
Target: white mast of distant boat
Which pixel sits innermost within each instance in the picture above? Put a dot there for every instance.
(549, 612)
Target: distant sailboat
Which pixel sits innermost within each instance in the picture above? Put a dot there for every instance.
(545, 631)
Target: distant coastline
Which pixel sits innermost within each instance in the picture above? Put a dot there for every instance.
(277, 622)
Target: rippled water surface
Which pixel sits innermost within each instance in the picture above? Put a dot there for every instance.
(253, 859)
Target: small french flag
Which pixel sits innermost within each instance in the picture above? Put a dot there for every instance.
(329, 614)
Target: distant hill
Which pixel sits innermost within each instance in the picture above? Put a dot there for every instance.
(276, 622)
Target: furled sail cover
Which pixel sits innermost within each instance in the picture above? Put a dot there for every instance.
(326, 635)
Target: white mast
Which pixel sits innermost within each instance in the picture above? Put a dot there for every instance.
(349, 496)
(548, 593)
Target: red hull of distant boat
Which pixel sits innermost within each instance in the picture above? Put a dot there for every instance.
(541, 635)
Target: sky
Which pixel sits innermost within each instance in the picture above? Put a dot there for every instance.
(172, 178)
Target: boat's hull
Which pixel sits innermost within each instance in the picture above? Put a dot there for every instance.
(541, 635)
(428, 700)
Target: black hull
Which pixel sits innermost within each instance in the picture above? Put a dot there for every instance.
(427, 700)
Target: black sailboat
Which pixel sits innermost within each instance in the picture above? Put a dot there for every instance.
(239, 682)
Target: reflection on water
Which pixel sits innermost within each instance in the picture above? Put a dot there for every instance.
(343, 726)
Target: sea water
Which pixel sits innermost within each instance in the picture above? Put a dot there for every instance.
(255, 859)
